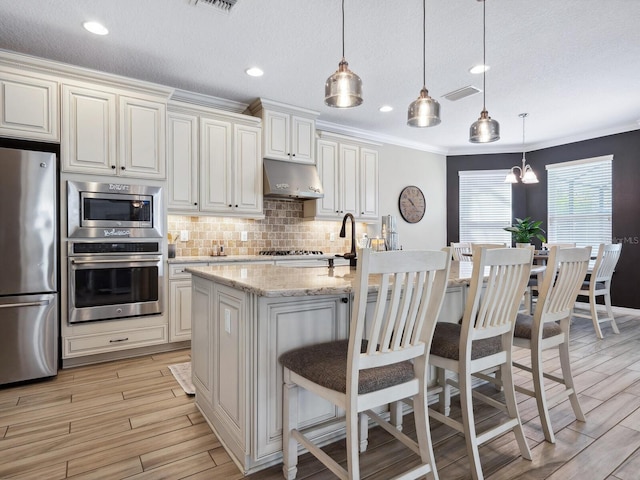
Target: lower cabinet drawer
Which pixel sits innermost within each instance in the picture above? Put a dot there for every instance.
(119, 340)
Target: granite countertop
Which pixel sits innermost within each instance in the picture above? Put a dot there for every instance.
(247, 258)
(280, 281)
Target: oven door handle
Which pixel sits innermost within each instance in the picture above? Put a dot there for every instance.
(117, 260)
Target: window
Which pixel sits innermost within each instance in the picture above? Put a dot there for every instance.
(485, 206)
(579, 201)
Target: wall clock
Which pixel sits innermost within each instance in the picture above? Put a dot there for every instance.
(411, 203)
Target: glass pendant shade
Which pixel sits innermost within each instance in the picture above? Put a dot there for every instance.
(423, 112)
(484, 130)
(511, 177)
(529, 175)
(343, 89)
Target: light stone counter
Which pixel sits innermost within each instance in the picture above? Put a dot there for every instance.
(225, 259)
(280, 281)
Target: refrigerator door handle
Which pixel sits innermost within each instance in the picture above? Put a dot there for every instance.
(26, 304)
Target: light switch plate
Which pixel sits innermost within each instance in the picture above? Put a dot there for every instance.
(184, 235)
(243, 236)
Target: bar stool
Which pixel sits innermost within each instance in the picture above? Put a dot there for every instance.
(358, 375)
(482, 343)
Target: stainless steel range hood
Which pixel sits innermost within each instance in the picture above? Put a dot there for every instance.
(291, 180)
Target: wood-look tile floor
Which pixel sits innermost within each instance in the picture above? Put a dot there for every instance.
(129, 419)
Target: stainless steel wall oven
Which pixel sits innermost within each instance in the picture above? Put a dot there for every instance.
(109, 280)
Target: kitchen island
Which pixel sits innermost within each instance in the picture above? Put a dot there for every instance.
(243, 318)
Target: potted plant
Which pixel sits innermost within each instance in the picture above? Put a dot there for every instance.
(524, 230)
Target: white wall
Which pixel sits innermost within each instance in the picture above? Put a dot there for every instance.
(400, 167)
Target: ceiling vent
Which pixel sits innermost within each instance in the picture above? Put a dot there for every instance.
(462, 93)
(222, 5)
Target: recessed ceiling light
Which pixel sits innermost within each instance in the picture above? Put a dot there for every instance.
(254, 72)
(477, 69)
(95, 27)
(385, 108)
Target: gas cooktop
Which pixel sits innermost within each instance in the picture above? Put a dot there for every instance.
(289, 252)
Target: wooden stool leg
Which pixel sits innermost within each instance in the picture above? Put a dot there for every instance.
(289, 423)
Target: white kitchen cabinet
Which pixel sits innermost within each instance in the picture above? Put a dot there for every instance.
(28, 107)
(202, 350)
(215, 163)
(285, 324)
(112, 132)
(142, 137)
(288, 132)
(180, 302)
(89, 131)
(348, 171)
(182, 162)
(219, 360)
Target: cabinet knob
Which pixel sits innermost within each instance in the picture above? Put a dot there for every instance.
(113, 167)
(236, 206)
(195, 203)
(361, 213)
(121, 168)
(337, 211)
(344, 300)
(293, 154)
(230, 205)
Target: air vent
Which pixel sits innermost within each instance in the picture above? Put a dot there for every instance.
(462, 93)
(222, 5)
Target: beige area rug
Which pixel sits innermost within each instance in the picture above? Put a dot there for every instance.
(182, 372)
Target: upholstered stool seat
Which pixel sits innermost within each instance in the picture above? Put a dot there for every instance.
(524, 327)
(326, 364)
(446, 343)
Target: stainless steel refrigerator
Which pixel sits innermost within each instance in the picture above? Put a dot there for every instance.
(28, 265)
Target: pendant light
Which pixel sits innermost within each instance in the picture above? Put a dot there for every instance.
(527, 175)
(425, 111)
(343, 89)
(485, 129)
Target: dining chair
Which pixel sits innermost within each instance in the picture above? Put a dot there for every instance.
(483, 342)
(549, 328)
(599, 284)
(383, 361)
(460, 248)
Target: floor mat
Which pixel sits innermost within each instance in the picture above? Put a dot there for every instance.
(182, 372)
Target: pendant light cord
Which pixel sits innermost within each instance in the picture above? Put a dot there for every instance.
(424, 43)
(343, 29)
(484, 54)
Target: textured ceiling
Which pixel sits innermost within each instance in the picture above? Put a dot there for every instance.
(573, 65)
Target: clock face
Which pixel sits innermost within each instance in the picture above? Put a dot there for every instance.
(411, 203)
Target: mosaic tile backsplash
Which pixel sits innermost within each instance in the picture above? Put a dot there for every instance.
(283, 228)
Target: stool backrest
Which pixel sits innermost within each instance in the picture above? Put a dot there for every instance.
(606, 261)
(498, 282)
(411, 289)
(563, 277)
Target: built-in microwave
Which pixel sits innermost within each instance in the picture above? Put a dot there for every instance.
(113, 210)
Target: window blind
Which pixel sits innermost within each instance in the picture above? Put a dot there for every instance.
(579, 201)
(485, 206)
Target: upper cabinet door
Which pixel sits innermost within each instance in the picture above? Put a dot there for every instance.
(248, 169)
(368, 183)
(28, 108)
(142, 137)
(349, 179)
(216, 179)
(328, 171)
(89, 125)
(276, 131)
(182, 162)
(303, 131)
